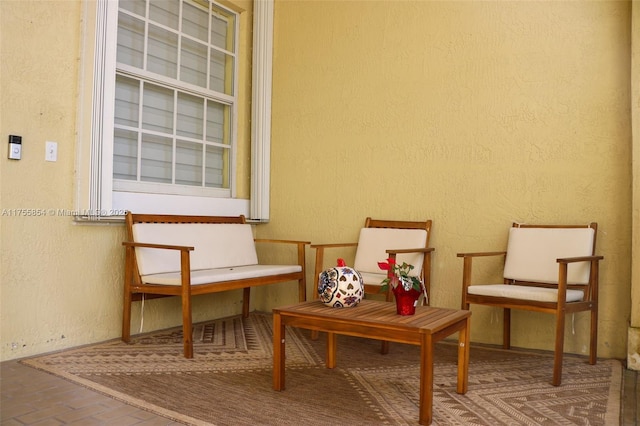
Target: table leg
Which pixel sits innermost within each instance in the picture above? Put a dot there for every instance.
(463, 357)
(331, 357)
(278, 352)
(426, 379)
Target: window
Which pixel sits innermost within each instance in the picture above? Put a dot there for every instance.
(160, 80)
(175, 98)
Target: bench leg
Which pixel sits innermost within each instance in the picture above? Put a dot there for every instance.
(302, 290)
(126, 317)
(187, 327)
(506, 329)
(126, 304)
(246, 297)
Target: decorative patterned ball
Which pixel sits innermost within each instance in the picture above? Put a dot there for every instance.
(340, 287)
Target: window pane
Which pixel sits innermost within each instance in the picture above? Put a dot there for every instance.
(214, 170)
(190, 116)
(188, 163)
(130, 48)
(193, 63)
(222, 26)
(163, 52)
(221, 77)
(136, 6)
(165, 12)
(127, 101)
(215, 122)
(157, 109)
(194, 22)
(157, 153)
(125, 154)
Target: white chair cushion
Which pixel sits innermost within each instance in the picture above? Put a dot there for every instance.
(374, 242)
(523, 292)
(532, 254)
(216, 246)
(222, 274)
(373, 279)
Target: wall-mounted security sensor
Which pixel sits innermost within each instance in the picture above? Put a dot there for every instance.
(15, 147)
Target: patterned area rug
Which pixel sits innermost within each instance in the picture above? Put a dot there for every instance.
(229, 380)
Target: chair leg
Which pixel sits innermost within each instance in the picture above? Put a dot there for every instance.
(506, 329)
(593, 340)
(558, 350)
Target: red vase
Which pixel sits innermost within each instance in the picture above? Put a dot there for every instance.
(406, 300)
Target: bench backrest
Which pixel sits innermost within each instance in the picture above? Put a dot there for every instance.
(532, 253)
(215, 245)
(374, 242)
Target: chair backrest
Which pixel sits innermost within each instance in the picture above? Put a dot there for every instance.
(532, 252)
(378, 236)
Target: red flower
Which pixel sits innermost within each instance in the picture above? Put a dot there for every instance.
(384, 266)
(389, 264)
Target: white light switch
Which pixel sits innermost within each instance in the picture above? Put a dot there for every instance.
(51, 153)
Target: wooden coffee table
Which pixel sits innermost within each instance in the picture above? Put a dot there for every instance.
(378, 320)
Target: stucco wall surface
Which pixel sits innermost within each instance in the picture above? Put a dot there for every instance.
(472, 114)
(61, 282)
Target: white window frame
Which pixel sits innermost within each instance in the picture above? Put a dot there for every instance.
(96, 199)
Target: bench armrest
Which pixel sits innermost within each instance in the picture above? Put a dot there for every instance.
(157, 246)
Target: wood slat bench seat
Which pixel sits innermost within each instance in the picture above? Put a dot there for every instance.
(185, 256)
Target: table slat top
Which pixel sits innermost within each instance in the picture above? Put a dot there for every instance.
(372, 312)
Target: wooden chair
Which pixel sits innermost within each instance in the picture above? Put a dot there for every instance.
(407, 241)
(533, 282)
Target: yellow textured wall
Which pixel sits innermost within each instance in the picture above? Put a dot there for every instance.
(472, 114)
(61, 283)
(633, 346)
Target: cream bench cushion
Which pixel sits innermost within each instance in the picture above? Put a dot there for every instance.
(222, 252)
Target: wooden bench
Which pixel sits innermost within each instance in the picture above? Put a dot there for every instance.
(170, 255)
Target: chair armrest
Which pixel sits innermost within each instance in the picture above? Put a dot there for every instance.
(157, 246)
(483, 253)
(579, 259)
(268, 240)
(323, 246)
(411, 250)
